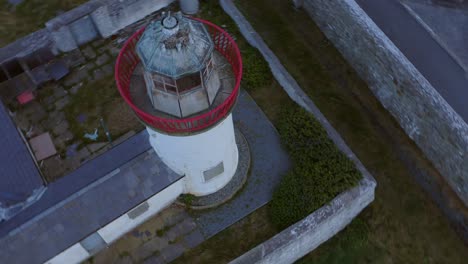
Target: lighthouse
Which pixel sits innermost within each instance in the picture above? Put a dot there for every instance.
(181, 77)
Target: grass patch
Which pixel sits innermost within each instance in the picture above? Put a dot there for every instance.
(232, 242)
(350, 246)
(96, 100)
(124, 254)
(29, 16)
(187, 199)
(256, 70)
(87, 107)
(162, 231)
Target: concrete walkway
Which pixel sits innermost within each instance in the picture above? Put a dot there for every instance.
(159, 240)
(269, 163)
(432, 60)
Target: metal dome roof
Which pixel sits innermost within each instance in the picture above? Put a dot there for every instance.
(175, 46)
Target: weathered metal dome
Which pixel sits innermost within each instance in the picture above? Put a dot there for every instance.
(175, 46)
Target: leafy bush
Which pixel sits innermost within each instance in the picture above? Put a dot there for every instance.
(320, 170)
(187, 199)
(256, 71)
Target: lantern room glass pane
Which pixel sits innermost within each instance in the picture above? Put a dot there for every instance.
(163, 79)
(188, 82)
(159, 85)
(171, 88)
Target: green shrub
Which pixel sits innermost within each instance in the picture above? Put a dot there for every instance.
(187, 199)
(256, 72)
(320, 170)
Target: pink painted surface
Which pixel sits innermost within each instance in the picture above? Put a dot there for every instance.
(25, 97)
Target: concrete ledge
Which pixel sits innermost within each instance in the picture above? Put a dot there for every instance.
(299, 239)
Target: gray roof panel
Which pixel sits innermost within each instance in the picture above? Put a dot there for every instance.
(19, 176)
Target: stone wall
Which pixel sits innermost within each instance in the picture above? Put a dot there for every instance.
(83, 24)
(98, 19)
(299, 239)
(425, 116)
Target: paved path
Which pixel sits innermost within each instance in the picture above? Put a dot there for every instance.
(444, 73)
(269, 163)
(159, 240)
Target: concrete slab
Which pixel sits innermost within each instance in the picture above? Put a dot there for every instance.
(42, 146)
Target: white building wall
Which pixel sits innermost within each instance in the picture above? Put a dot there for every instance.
(74, 254)
(156, 203)
(123, 224)
(198, 156)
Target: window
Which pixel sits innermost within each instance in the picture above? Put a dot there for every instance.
(164, 83)
(13, 67)
(3, 76)
(188, 82)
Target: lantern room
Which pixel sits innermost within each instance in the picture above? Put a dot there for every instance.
(178, 66)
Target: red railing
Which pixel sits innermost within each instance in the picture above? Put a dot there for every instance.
(128, 60)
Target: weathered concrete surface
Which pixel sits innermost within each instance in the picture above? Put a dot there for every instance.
(421, 111)
(299, 239)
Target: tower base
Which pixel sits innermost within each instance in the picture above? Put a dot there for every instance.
(234, 185)
(207, 159)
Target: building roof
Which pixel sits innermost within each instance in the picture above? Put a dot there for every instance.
(175, 46)
(85, 200)
(19, 176)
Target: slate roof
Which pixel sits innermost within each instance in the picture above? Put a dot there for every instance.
(19, 176)
(85, 200)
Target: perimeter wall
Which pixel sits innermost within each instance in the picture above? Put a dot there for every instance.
(420, 110)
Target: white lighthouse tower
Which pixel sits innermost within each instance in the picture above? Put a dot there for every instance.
(181, 77)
